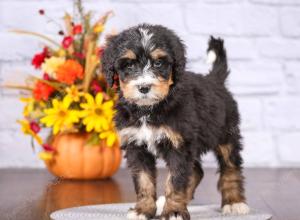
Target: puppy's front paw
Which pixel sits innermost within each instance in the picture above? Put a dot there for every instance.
(175, 215)
(240, 208)
(137, 214)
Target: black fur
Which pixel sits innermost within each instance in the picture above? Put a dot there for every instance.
(199, 107)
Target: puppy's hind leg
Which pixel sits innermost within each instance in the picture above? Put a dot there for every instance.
(231, 181)
(142, 166)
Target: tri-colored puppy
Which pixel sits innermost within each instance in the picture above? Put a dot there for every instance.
(165, 111)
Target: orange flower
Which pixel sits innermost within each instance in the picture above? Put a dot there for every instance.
(42, 91)
(69, 72)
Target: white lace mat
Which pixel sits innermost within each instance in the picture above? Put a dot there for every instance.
(119, 211)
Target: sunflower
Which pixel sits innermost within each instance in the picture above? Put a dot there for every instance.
(29, 107)
(73, 94)
(26, 129)
(97, 114)
(60, 117)
(110, 135)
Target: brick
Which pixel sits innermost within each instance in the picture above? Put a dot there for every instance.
(288, 147)
(28, 17)
(196, 46)
(259, 149)
(16, 151)
(255, 77)
(233, 20)
(240, 48)
(237, 48)
(169, 15)
(125, 14)
(17, 48)
(251, 113)
(279, 48)
(282, 113)
(10, 111)
(277, 2)
(290, 21)
(292, 75)
(17, 73)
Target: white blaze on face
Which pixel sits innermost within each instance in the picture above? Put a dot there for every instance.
(147, 77)
(146, 39)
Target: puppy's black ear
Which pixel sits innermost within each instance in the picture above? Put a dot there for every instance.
(108, 59)
(179, 57)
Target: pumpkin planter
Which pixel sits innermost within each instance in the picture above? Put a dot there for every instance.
(74, 159)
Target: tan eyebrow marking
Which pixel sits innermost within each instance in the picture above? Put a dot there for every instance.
(129, 54)
(158, 53)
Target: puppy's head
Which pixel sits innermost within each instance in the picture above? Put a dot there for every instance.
(148, 59)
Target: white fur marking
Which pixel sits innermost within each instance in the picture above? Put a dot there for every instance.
(132, 214)
(176, 217)
(146, 38)
(160, 202)
(211, 57)
(143, 134)
(240, 208)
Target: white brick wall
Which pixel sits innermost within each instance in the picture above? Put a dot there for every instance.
(263, 42)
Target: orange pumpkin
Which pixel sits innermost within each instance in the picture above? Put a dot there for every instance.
(73, 159)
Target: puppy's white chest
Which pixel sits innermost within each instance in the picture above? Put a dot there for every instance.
(145, 134)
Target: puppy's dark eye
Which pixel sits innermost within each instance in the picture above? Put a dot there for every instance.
(157, 63)
(130, 66)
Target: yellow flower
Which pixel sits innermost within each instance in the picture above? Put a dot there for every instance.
(61, 53)
(51, 65)
(32, 108)
(110, 136)
(29, 107)
(98, 28)
(96, 113)
(60, 117)
(27, 130)
(45, 156)
(73, 94)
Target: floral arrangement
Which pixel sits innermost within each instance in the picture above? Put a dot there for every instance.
(71, 95)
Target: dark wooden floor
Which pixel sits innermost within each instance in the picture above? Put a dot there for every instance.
(27, 194)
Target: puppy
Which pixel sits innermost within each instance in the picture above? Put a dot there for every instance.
(165, 111)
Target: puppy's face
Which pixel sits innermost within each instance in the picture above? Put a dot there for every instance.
(144, 60)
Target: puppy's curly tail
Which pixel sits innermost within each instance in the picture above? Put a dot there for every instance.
(216, 55)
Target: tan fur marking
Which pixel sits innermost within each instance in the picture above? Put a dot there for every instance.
(225, 151)
(146, 194)
(132, 134)
(128, 91)
(173, 136)
(162, 86)
(158, 53)
(193, 183)
(174, 200)
(230, 184)
(129, 54)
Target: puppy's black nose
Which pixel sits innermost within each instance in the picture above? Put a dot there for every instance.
(144, 89)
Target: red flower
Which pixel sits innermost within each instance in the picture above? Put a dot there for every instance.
(67, 41)
(79, 55)
(99, 51)
(42, 91)
(77, 29)
(35, 127)
(39, 58)
(41, 12)
(96, 86)
(47, 147)
(46, 76)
